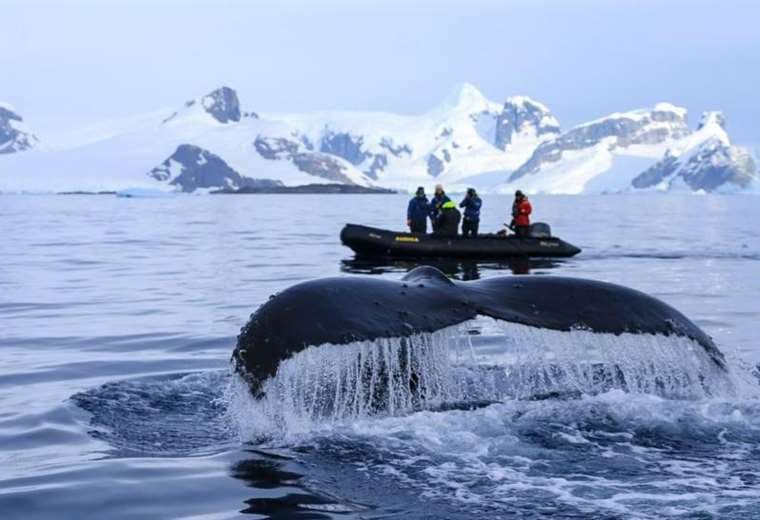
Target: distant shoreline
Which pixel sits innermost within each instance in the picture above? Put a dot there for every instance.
(305, 189)
(77, 192)
(347, 189)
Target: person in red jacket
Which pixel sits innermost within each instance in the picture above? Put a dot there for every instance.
(521, 210)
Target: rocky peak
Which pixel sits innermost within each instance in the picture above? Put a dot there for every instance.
(222, 104)
(521, 115)
(14, 136)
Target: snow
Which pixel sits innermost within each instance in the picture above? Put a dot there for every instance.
(20, 126)
(109, 155)
(102, 131)
(711, 133)
(607, 167)
(569, 176)
(639, 114)
(601, 168)
(466, 97)
(669, 107)
(485, 126)
(467, 114)
(525, 100)
(460, 131)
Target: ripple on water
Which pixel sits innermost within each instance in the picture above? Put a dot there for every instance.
(161, 416)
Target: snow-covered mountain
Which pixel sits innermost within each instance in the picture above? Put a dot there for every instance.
(637, 150)
(463, 137)
(14, 135)
(467, 140)
(602, 155)
(705, 161)
(207, 143)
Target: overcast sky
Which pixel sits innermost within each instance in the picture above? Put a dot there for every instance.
(67, 63)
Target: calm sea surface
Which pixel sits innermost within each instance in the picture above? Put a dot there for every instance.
(118, 317)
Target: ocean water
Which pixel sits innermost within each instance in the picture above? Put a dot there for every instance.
(119, 317)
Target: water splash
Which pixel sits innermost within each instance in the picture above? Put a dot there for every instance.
(479, 362)
(612, 455)
(544, 362)
(334, 382)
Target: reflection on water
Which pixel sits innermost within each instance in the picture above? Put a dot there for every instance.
(459, 268)
(272, 472)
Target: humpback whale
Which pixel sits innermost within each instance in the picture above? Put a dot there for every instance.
(344, 310)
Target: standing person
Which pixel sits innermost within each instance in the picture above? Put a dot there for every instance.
(471, 205)
(436, 203)
(448, 220)
(417, 212)
(521, 210)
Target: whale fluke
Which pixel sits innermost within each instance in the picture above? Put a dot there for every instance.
(344, 310)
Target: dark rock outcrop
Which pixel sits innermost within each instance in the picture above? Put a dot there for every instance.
(321, 165)
(275, 148)
(191, 167)
(343, 145)
(222, 104)
(435, 166)
(318, 164)
(379, 162)
(519, 113)
(13, 139)
(351, 148)
(393, 148)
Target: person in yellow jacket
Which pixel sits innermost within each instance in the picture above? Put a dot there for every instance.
(447, 223)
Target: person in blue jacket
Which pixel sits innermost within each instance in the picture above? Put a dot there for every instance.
(417, 212)
(436, 203)
(471, 220)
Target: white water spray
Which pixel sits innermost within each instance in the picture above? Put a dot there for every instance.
(393, 376)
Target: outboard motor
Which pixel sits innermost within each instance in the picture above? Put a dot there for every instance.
(540, 230)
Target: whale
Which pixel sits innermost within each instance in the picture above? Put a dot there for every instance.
(347, 309)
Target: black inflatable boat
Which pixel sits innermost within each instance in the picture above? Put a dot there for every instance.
(373, 242)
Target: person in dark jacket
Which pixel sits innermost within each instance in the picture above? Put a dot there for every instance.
(471, 220)
(447, 224)
(417, 212)
(438, 200)
(521, 210)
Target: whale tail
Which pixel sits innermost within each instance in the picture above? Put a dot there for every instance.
(364, 310)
